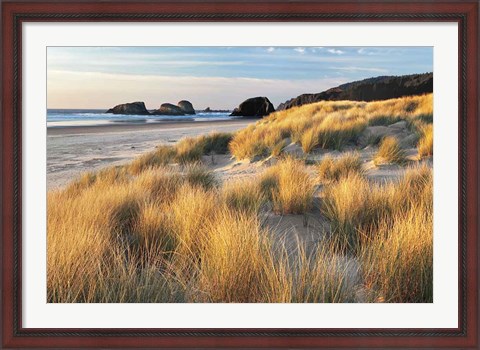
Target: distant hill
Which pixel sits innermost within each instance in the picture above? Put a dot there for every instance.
(378, 88)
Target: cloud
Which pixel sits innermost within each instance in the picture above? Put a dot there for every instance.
(299, 49)
(335, 51)
(67, 89)
(360, 69)
(363, 51)
(270, 49)
(316, 48)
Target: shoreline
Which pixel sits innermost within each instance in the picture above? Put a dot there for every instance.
(74, 150)
(129, 126)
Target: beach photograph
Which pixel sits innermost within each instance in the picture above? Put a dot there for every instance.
(244, 174)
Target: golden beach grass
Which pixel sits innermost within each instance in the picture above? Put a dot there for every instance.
(149, 231)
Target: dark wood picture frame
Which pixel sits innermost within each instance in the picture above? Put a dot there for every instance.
(14, 13)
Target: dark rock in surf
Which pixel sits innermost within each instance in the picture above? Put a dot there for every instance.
(168, 109)
(134, 108)
(254, 107)
(186, 107)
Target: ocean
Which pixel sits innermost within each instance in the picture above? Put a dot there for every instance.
(83, 117)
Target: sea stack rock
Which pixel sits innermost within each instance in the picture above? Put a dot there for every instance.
(186, 107)
(254, 107)
(136, 108)
(169, 109)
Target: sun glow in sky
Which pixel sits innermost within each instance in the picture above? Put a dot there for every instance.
(216, 77)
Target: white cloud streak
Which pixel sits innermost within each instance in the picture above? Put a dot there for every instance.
(360, 69)
(335, 51)
(68, 89)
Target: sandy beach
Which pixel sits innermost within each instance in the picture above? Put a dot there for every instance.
(74, 150)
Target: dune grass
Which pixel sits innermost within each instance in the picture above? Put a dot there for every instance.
(390, 151)
(161, 237)
(331, 169)
(309, 140)
(150, 231)
(277, 149)
(93, 252)
(243, 195)
(383, 120)
(357, 208)
(425, 144)
(328, 124)
(398, 261)
(133, 245)
(191, 149)
(289, 186)
(162, 155)
(197, 174)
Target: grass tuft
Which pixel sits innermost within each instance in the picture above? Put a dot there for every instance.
(197, 174)
(309, 140)
(334, 169)
(425, 144)
(243, 195)
(390, 152)
(163, 155)
(290, 186)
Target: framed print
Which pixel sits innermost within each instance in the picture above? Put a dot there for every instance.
(219, 174)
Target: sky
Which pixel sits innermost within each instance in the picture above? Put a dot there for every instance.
(215, 77)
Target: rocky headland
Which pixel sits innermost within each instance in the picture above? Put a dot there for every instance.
(377, 88)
